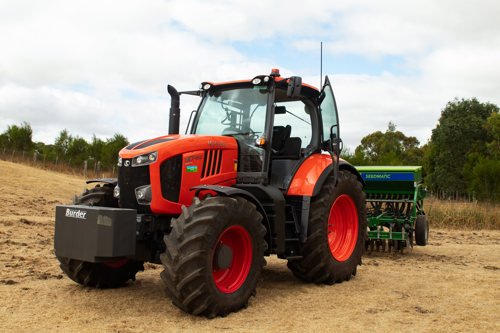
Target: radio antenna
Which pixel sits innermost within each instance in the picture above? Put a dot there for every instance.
(321, 65)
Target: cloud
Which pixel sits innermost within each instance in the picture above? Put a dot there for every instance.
(102, 67)
(229, 20)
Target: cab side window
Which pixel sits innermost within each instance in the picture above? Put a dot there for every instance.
(296, 115)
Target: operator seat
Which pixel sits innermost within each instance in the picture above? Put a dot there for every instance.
(285, 147)
(286, 154)
(280, 135)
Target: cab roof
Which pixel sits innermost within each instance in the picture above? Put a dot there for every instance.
(306, 89)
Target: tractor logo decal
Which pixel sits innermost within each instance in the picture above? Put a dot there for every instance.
(76, 213)
(215, 144)
(191, 168)
(388, 176)
(192, 158)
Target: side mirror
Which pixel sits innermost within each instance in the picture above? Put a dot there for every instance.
(294, 86)
(336, 143)
(337, 146)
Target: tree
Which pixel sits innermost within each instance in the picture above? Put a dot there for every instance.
(112, 148)
(493, 128)
(4, 140)
(356, 158)
(71, 149)
(18, 137)
(482, 171)
(457, 142)
(389, 148)
(96, 148)
(484, 178)
(62, 143)
(77, 151)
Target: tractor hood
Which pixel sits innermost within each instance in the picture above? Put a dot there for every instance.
(169, 166)
(172, 145)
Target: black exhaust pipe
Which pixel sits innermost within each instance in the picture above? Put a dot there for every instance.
(175, 111)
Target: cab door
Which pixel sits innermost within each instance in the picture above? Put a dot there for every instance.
(331, 140)
(330, 120)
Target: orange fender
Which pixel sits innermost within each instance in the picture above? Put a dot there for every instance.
(306, 178)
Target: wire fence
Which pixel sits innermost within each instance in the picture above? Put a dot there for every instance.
(454, 196)
(88, 168)
(464, 196)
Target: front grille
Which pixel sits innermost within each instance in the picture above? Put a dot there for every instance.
(171, 177)
(211, 163)
(129, 178)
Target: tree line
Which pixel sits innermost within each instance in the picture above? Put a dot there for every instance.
(462, 155)
(68, 149)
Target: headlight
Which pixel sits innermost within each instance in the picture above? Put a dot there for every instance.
(120, 161)
(116, 191)
(144, 159)
(144, 195)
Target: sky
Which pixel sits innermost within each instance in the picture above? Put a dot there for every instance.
(102, 67)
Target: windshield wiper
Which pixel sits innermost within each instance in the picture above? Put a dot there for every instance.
(308, 123)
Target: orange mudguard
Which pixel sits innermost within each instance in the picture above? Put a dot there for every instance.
(309, 172)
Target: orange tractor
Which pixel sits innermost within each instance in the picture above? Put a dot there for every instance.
(258, 174)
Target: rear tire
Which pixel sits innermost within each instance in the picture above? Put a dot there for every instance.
(421, 230)
(100, 275)
(214, 256)
(336, 232)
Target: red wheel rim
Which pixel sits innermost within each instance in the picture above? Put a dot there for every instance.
(343, 228)
(230, 279)
(116, 264)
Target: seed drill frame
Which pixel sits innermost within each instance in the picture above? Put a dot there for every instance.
(395, 199)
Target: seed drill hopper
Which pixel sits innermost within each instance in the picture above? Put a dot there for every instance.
(394, 199)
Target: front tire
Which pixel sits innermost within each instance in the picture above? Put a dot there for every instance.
(336, 232)
(100, 275)
(214, 256)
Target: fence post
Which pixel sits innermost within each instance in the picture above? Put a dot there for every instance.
(85, 169)
(34, 158)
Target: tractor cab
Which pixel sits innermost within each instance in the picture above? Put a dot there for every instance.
(276, 122)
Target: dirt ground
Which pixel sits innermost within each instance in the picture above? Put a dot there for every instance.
(453, 284)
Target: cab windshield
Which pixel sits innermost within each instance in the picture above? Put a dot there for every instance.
(240, 112)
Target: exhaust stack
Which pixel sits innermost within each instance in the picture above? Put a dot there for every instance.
(175, 112)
